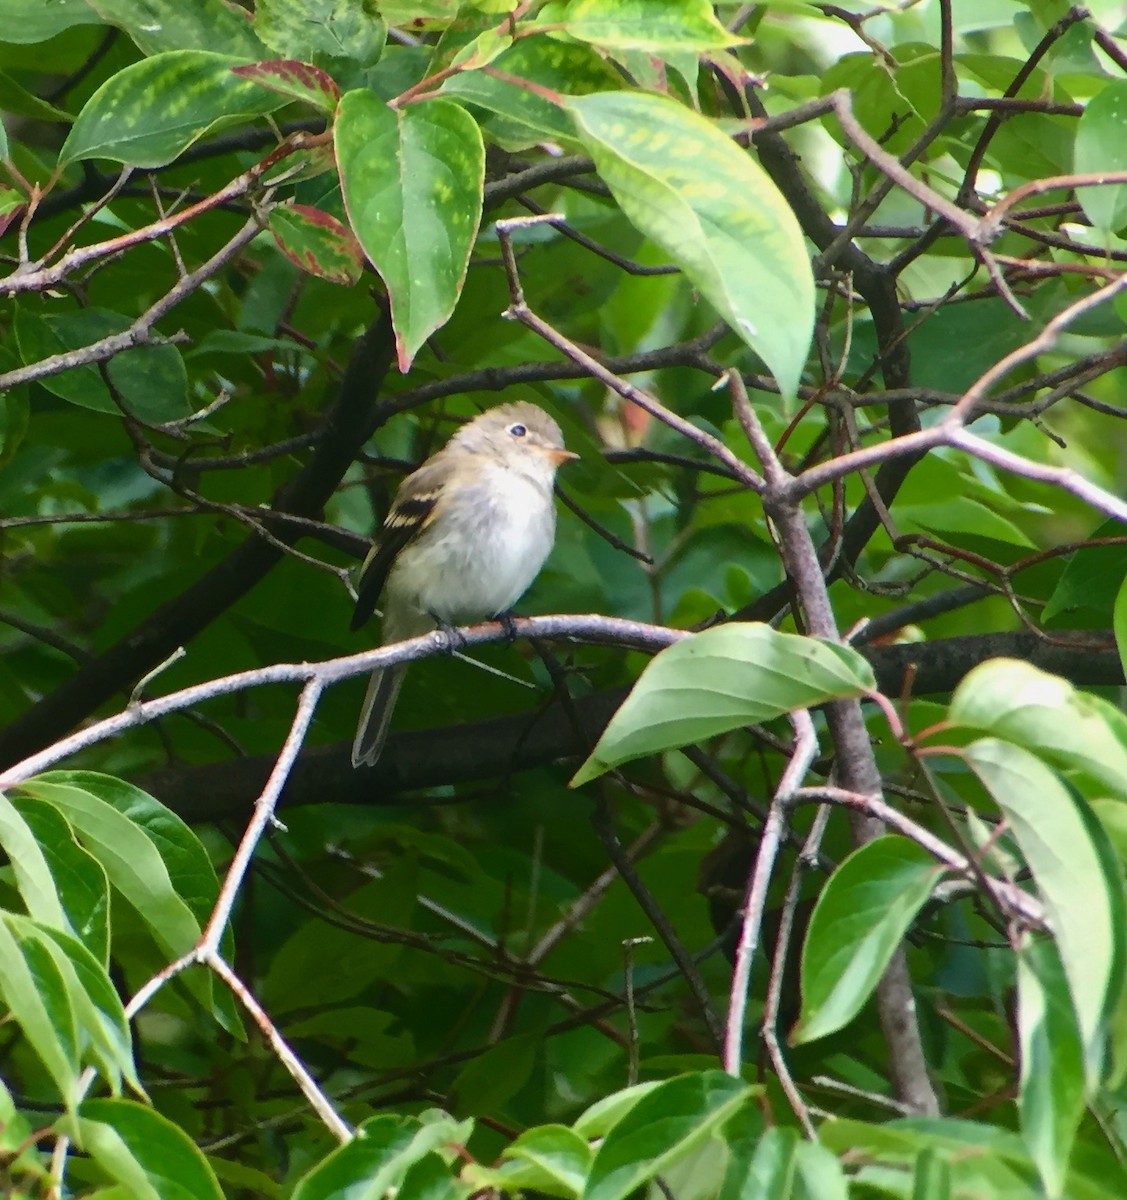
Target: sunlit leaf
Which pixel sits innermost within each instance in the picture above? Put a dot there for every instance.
(1076, 873)
(1051, 1096)
(304, 29)
(150, 857)
(715, 213)
(35, 994)
(152, 111)
(674, 26)
(661, 1128)
(1101, 149)
(104, 1038)
(1074, 730)
(144, 1151)
(563, 68)
(722, 679)
(82, 887)
(560, 1155)
(861, 916)
(412, 184)
(379, 1158)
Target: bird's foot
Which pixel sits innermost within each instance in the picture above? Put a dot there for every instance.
(508, 621)
(448, 637)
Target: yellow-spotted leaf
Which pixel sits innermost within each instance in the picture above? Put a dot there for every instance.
(412, 183)
(152, 111)
(714, 211)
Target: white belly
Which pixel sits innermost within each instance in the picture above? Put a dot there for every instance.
(480, 553)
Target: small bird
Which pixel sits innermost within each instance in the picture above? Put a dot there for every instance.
(466, 535)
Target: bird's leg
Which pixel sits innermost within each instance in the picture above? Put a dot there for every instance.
(451, 639)
(508, 620)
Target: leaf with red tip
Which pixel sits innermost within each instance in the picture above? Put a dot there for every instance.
(318, 243)
(295, 79)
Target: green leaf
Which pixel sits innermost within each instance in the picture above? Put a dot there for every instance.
(35, 994)
(16, 1142)
(861, 916)
(26, 21)
(598, 1120)
(1075, 731)
(295, 80)
(490, 1080)
(82, 886)
(820, 1173)
(34, 880)
(159, 25)
(722, 679)
(144, 1152)
(672, 27)
(104, 1038)
(1091, 578)
(1051, 1097)
(17, 99)
(715, 212)
(1076, 874)
(430, 1179)
(1119, 622)
(305, 29)
(931, 1179)
(766, 1170)
(96, 805)
(424, 15)
(1102, 148)
(561, 67)
(379, 1157)
(152, 111)
(664, 1126)
(317, 242)
(412, 184)
(151, 380)
(561, 1157)
(151, 858)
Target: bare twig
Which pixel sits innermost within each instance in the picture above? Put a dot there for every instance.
(607, 630)
(805, 749)
(808, 857)
(519, 311)
(140, 332)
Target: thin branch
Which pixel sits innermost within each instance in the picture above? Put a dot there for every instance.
(519, 311)
(583, 629)
(140, 332)
(1009, 897)
(808, 857)
(805, 750)
(35, 277)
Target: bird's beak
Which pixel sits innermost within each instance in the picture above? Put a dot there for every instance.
(559, 457)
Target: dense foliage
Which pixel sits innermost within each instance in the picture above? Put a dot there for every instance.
(795, 865)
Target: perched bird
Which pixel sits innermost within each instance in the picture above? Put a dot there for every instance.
(466, 535)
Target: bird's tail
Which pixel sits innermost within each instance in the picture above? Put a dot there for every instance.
(375, 716)
(383, 687)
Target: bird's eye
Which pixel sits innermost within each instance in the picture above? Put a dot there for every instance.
(517, 430)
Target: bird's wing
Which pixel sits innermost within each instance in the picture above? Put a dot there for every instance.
(411, 512)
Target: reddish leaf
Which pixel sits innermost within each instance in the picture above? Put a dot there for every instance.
(298, 80)
(317, 243)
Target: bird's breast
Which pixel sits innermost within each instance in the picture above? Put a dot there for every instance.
(481, 551)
